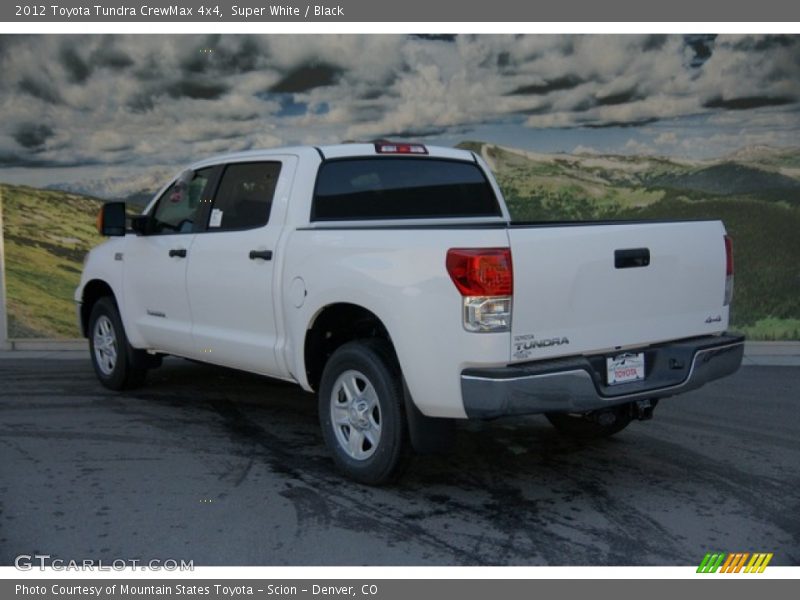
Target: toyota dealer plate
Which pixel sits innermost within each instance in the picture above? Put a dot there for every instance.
(625, 368)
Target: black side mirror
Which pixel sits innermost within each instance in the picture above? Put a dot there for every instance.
(140, 224)
(111, 220)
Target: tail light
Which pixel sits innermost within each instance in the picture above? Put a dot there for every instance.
(485, 279)
(728, 270)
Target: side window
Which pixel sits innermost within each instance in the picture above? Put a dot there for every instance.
(178, 208)
(244, 196)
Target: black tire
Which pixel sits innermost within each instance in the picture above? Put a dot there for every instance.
(365, 363)
(124, 373)
(592, 425)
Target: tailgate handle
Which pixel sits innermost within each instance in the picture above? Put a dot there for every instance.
(631, 257)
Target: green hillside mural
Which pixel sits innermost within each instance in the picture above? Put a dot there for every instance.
(47, 232)
(46, 235)
(764, 221)
(594, 126)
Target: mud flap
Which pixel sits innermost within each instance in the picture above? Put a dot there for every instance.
(429, 435)
(141, 359)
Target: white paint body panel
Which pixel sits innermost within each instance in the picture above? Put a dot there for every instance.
(566, 286)
(154, 291)
(233, 298)
(400, 276)
(101, 265)
(246, 311)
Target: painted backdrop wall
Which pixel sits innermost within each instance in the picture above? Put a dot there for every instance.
(593, 126)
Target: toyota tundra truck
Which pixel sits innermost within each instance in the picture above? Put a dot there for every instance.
(389, 279)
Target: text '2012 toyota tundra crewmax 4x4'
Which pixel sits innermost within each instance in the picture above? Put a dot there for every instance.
(389, 279)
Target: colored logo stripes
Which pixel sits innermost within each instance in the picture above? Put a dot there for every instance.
(734, 562)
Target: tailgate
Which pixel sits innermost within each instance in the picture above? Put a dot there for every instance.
(585, 288)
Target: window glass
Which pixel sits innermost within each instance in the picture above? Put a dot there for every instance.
(178, 208)
(244, 197)
(401, 188)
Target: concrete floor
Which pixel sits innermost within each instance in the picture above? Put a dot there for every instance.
(225, 468)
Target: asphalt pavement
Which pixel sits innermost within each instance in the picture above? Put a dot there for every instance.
(225, 468)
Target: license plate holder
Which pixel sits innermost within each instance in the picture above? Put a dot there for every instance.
(625, 368)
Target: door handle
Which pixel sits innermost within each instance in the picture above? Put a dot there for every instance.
(181, 252)
(631, 258)
(262, 254)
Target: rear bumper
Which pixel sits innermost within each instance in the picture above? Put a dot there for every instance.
(577, 384)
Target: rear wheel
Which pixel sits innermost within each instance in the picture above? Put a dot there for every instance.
(592, 425)
(361, 412)
(113, 358)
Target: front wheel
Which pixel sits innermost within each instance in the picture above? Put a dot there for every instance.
(361, 412)
(113, 357)
(592, 425)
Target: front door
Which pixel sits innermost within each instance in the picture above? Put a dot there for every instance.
(154, 284)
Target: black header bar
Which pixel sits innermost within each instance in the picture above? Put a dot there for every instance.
(471, 11)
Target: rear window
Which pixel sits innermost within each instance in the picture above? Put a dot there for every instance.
(401, 188)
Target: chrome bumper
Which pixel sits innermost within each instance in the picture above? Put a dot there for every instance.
(577, 384)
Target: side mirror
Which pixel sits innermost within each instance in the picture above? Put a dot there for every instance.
(140, 224)
(111, 219)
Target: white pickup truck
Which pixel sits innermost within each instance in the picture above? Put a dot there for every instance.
(389, 278)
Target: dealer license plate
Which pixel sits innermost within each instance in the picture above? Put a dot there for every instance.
(625, 368)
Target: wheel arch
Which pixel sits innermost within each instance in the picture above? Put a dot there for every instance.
(334, 325)
(92, 292)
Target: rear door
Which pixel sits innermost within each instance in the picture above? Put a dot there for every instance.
(587, 288)
(231, 271)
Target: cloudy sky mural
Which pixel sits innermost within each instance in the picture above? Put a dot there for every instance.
(109, 106)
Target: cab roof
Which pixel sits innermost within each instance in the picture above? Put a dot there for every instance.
(325, 152)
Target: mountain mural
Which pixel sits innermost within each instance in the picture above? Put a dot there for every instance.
(755, 191)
